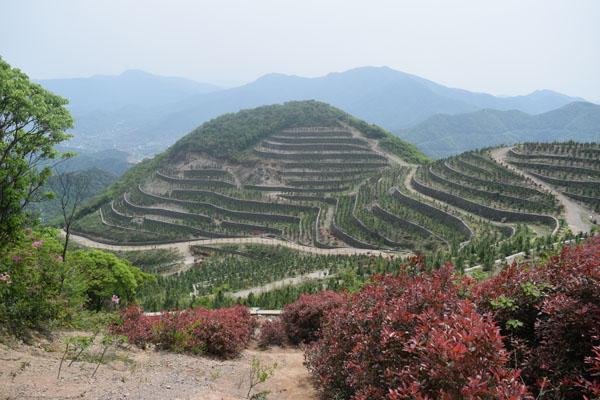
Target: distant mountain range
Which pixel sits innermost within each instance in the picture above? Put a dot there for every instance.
(444, 135)
(113, 111)
(131, 88)
(143, 113)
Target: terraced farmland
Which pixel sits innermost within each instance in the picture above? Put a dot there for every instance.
(336, 183)
(571, 168)
(291, 190)
(474, 183)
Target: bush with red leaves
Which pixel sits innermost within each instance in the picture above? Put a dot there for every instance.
(135, 325)
(412, 337)
(223, 332)
(591, 388)
(550, 317)
(302, 319)
(272, 333)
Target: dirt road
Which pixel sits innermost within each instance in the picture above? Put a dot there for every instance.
(184, 246)
(296, 280)
(576, 215)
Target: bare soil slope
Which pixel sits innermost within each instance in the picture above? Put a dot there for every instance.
(30, 372)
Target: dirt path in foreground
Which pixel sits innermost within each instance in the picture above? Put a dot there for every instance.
(184, 246)
(576, 215)
(29, 372)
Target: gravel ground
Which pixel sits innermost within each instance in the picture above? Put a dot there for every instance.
(30, 372)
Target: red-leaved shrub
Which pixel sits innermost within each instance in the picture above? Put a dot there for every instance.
(550, 317)
(135, 325)
(272, 333)
(223, 332)
(412, 337)
(302, 319)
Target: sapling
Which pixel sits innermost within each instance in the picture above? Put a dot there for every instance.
(75, 343)
(108, 341)
(259, 374)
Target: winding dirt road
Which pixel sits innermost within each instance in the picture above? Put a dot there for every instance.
(576, 215)
(291, 281)
(184, 246)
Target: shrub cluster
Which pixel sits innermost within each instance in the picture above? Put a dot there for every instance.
(550, 318)
(223, 332)
(302, 319)
(529, 331)
(272, 333)
(39, 288)
(411, 336)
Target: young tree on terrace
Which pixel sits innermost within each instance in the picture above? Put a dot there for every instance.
(32, 122)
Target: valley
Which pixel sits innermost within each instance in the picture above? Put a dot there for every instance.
(384, 200)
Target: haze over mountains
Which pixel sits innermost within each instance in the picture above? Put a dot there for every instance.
(445, 135)
(143, 113)
(131, 88)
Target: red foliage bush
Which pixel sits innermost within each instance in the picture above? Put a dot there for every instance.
(135, 325)
(272, 333)
(591, 388)
(550, 316)
(302, 319)
(412, 336)
(222, 332)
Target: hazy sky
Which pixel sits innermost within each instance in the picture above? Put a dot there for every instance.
(502, 47)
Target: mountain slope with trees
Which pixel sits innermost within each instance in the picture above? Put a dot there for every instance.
(143, 124)
(444, 135)
(380, 95)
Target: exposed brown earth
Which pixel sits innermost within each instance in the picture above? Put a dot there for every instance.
(30, 372)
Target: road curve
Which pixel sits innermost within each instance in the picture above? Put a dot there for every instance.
(184, 246)
(575, 214)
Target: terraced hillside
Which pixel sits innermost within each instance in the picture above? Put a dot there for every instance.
(476, 184)
(570, 170)
(308, 173)
(274, 171)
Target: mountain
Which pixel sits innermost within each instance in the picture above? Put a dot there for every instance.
(111, 111)
(100, 169)
(132, 87)
(112, 161)
(165, 109)
(262, 171)
(444, 135)
(308, 173)
(49, 211)
(380, 95)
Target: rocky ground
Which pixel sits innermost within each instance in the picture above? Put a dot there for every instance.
(30, 372)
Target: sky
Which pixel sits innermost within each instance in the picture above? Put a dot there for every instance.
(504, 47)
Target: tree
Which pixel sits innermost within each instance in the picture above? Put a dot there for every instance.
(70, 189)
(106, 275)
(32, 122)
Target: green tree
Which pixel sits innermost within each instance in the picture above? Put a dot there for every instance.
(106, 275)
(32, 122)
(36, 287)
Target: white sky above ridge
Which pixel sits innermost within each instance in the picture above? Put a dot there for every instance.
(502, 47)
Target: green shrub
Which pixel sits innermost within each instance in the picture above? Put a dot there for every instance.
(38, 289)
(106, 275)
